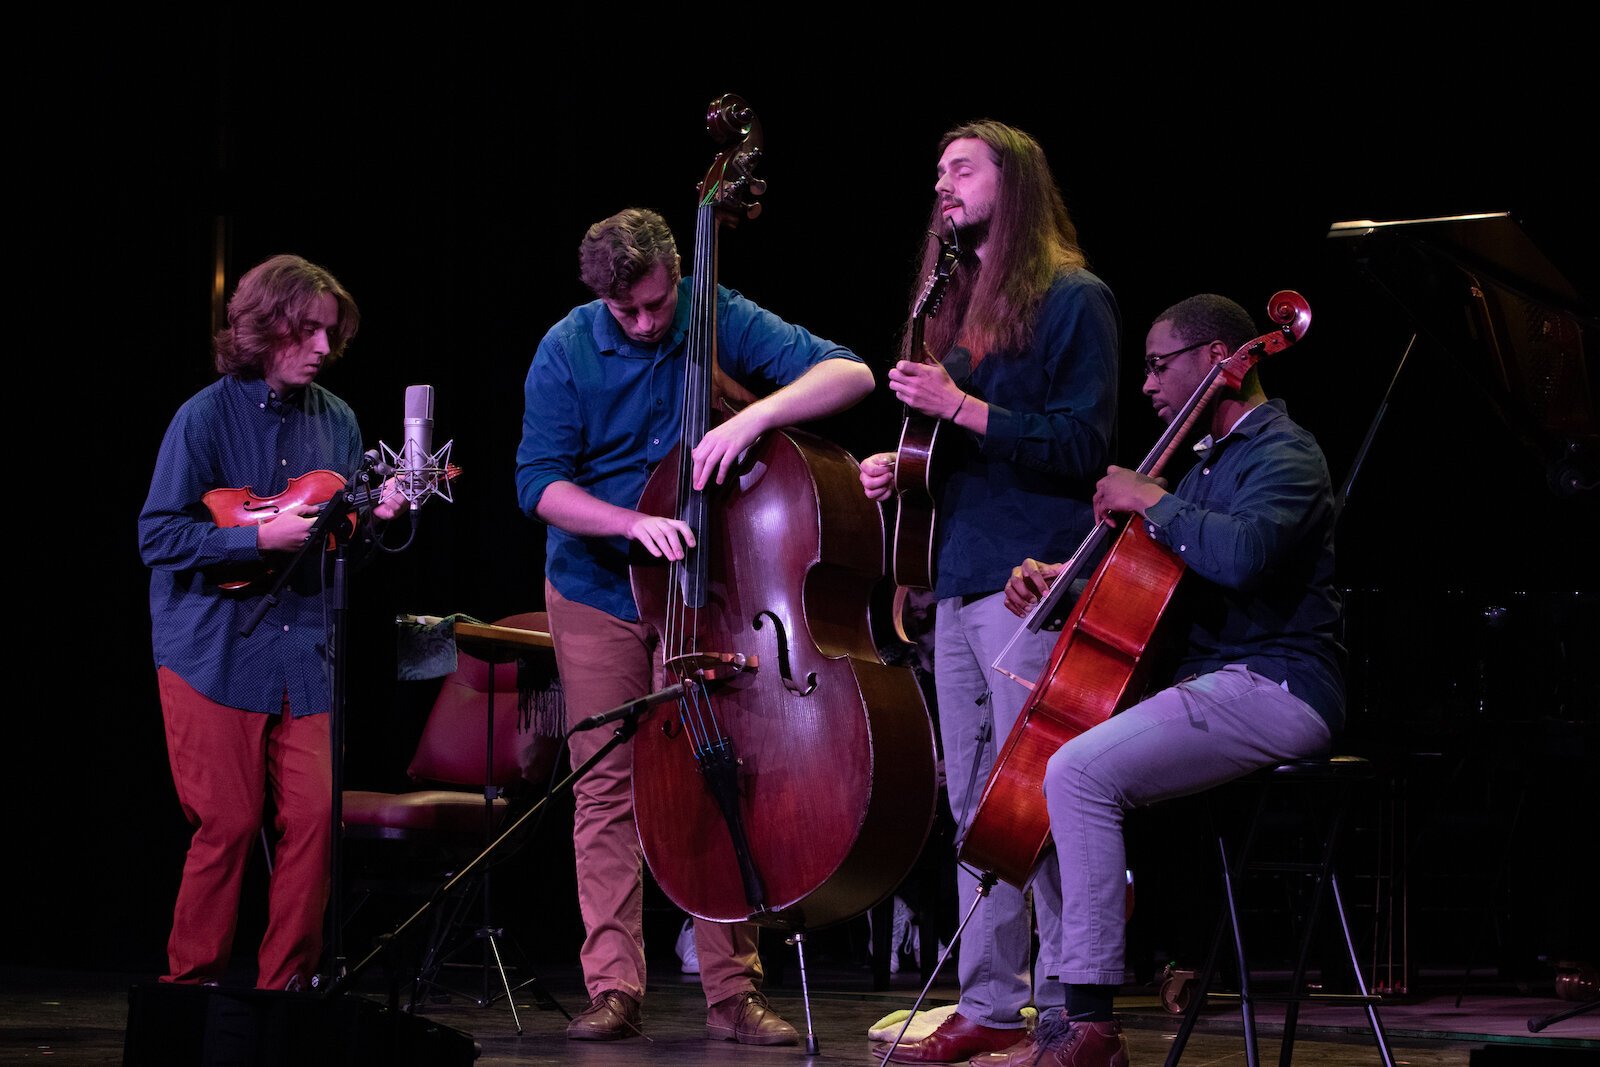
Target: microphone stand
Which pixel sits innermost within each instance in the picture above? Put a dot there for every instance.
(626, 717)
(331, 522)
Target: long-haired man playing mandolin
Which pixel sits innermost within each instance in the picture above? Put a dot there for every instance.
(1023, 371)
(1257, 678)
(603, 398)
(246, 717)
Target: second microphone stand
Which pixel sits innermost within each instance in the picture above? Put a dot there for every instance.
(626, 717)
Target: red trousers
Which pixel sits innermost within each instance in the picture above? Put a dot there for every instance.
(224, 762)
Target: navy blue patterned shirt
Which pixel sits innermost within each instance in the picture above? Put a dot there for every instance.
(232, 434)
(1254, 518)
(601, 410)
(1023, 489)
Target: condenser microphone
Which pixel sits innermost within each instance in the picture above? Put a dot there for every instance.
(417, 448)
(420, 472)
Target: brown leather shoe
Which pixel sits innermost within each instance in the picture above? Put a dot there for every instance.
(610, 1015)
(956, 1040)
(748, 1019)
(1059, 1042)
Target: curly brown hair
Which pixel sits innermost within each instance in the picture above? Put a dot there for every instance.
(267, 309)
(616, 252)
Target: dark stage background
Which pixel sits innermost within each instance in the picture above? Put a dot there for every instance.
(445, 172)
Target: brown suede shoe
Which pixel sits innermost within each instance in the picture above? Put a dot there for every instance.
(1059, 1042)
(610, 1015)
(955, 1041)
(748, 1019)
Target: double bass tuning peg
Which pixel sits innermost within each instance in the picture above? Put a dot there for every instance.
(746, 190)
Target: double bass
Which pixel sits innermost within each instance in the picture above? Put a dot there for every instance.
(792, 785)
(1100, 663)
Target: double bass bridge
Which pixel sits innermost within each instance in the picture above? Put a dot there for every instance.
(710, 666)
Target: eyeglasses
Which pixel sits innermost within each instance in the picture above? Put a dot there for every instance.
(1154, 366)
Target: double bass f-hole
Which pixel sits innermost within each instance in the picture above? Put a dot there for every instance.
(783, 656)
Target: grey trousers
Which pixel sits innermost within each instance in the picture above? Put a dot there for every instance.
(1186, 739)
(992, 962)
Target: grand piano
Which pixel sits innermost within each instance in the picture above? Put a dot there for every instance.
(1470, 549)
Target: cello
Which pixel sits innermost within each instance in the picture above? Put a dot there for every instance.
(1100, 662)
(792, 784)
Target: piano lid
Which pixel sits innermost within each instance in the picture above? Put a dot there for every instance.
(1493, 243)
(1480, 288)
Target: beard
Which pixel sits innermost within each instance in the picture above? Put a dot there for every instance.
(972, 235)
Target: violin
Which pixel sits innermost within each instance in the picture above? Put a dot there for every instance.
(792, 785)
(242, 507)
(1101, 661)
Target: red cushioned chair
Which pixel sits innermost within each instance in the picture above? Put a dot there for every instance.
(462, 800)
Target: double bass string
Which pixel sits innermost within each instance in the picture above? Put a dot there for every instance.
(683, 617)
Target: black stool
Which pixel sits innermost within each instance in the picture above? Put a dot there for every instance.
(1340, 774)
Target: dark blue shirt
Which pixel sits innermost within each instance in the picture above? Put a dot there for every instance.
(1254, 518)
(232, 434)
(1022, 489)
(602, 410)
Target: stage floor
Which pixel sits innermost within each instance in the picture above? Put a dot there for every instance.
(75, 1017)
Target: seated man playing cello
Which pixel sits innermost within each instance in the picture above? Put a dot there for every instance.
(1257, 679)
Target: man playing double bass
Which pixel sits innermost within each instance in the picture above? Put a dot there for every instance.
(1026, 348)
(1257, 678)
(603, 407)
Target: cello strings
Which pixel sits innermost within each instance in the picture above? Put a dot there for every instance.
(1154, 462)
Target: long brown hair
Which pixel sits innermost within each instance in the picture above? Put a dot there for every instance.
(1031, 240)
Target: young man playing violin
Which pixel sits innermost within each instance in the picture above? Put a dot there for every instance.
(1024, 373)
(246, 717)
(603, 407)
(1257, 678)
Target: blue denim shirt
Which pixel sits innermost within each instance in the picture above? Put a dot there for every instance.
(1254, 519)
(232, 434)
(1023, 489)
(601, 411)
